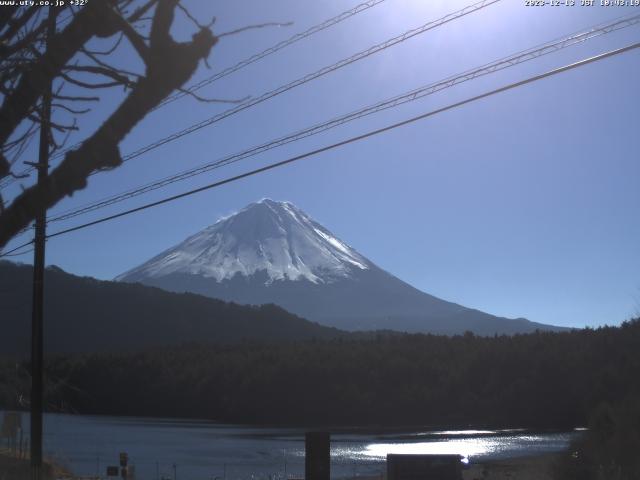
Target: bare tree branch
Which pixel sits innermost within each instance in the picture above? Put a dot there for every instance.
(104, 71)
(91, 20)
(15, 25)
(169, 65)
(56, 126)
(138, 14)
(76, 98)
(193, 19)
(32, 36)
(92, 86)
(101, 63)
(6, 14)
(136, 40)
(69, 109)
(110, 50)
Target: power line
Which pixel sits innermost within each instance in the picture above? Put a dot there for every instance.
(17, 254)
(342, 143)
(354, 139)
(275, 48)
(498, 65)
(11, 253)
(312, 76)
(240, 65)
(309, 77)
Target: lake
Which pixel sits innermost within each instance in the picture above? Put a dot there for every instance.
(201, 450)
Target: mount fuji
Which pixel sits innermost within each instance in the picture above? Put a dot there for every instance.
(272, 252)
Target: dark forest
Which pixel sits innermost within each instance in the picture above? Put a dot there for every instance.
(540, 380)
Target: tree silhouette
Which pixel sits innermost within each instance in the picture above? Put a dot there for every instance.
(28, 65)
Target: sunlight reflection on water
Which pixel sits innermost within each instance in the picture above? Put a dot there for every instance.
(475, 444)
(203, 450)
(466, 448)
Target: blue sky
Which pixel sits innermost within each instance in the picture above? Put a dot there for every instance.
(522, 205)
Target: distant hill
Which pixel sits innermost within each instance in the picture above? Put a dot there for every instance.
(273, 252)
(83, 314)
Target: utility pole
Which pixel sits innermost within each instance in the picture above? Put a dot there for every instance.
(37, 360)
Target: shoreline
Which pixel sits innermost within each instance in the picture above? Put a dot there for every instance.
(532, 467)
(18, 467)
(471, 430)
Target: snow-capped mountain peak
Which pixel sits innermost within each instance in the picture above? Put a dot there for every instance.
(272, 252)
(267, 236)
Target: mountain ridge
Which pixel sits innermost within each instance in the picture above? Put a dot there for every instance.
(273, 252)
(83, 314)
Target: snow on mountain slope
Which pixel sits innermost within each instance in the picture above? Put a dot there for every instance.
(274, 237)
(272, 252)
